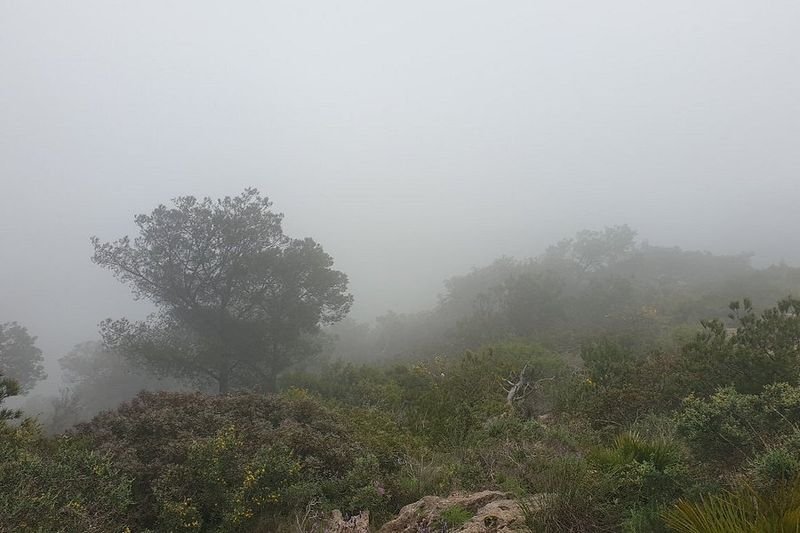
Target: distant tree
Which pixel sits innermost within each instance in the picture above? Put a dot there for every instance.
(237, 298)
(20, 359)
(461, 292)
(592, 251)
(532, 302)
(99, 379)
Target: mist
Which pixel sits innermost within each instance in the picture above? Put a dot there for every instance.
(374, 266)
(413, 140)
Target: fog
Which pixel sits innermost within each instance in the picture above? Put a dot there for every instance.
(414, 140)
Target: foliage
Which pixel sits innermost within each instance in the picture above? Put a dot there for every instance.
(574, 497)
(217, 489)
(617, 386)
(761, 350)
(178, 447)
(623, 484)
(744, 510)
(236, 296)
(97, 379)
(453, 517)
(444, 400)
(775, 466)
(423, 473)
(730, 427)
(596, 284)
(646, 473)
(8, 387)
(576, 380)
(58, 485)
(592, 250)
(20, 359)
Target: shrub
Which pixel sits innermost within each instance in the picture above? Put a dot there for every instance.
(218, 489)
(573, 497)
(646, 473)
(202, 463)
(617, 386)
(730, 427)
(422, 474)
(763, 349)
(58, 485)
(774, 467)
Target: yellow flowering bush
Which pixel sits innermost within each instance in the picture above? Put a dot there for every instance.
(58, 485)
(221, 487)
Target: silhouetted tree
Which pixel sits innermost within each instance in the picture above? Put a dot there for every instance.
(595, 250)
(20, 359)
(237, 298)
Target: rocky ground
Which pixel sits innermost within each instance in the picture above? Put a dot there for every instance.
(479, 512)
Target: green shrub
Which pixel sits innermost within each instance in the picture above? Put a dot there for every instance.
(645, 519)
(774, 467)
(730, 427)
(60, 485)
(618, 387)
(646, 474)
(425, 473)
(764, 349)
(191, 457)
(380, 433)
(219, 489)
(572, 497)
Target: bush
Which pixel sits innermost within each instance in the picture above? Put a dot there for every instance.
(218, 489)
(58, 485)
(573, 497)
(775, 467)
(762, 350)
(424, 473)
(618, 387)
(647, 474)
(203, 463)
(730, 427)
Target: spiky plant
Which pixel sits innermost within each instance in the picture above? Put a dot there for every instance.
(745, 510)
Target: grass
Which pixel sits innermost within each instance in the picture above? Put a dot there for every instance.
(454, 517)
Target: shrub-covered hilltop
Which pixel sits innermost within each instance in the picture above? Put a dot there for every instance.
(606, 385)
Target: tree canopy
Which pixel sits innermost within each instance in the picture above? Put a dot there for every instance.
(236, 297)
(20, 359)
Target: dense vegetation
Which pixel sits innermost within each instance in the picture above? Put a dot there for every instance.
(611, 377)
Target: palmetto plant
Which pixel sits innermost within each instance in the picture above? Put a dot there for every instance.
(742, 511)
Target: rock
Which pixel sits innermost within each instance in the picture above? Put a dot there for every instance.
(355, 524)
(491, 511)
